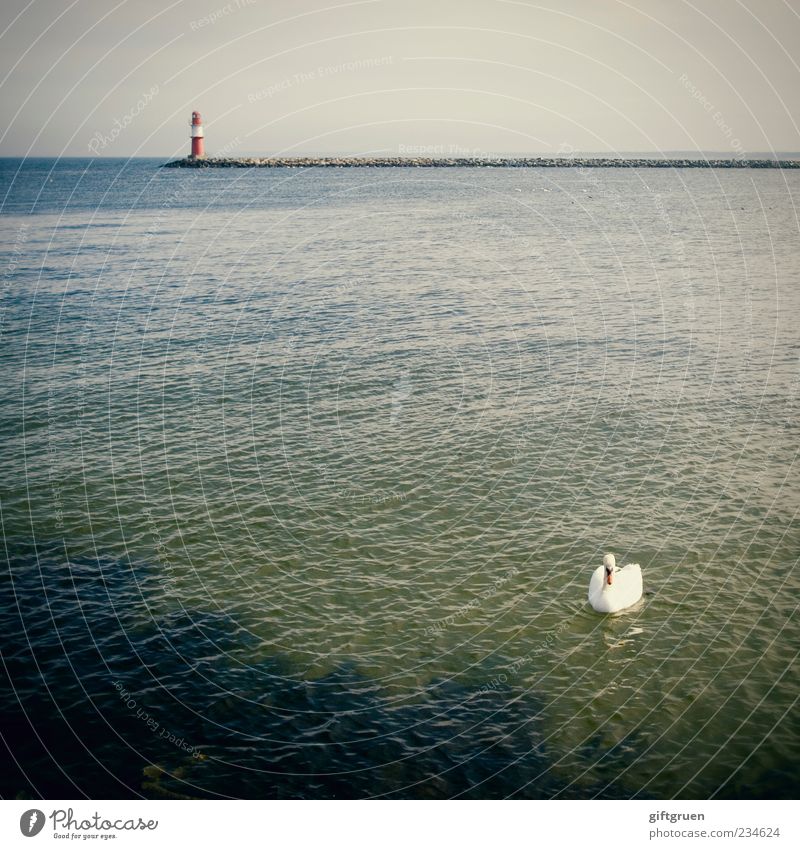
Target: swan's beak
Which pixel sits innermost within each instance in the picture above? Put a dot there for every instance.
(609, 576)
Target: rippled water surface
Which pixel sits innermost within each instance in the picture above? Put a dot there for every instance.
(304, 474)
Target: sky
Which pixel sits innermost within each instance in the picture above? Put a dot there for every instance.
(120, 78)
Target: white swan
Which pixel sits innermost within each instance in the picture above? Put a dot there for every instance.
(614, 588)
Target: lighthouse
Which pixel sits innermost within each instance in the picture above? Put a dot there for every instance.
(197, 137)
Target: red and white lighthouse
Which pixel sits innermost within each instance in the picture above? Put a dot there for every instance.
(198, 151)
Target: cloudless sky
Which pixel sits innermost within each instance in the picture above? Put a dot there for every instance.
(121, 77)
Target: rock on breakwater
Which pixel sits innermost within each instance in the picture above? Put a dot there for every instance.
(470, 162)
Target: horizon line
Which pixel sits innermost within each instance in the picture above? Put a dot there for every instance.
(484, 155)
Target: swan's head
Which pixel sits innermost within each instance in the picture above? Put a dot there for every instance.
(609, 562)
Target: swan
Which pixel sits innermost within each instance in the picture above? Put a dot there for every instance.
(614, 588)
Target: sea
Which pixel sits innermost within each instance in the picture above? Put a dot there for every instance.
(304, 473)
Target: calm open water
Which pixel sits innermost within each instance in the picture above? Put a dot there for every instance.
(304, 474)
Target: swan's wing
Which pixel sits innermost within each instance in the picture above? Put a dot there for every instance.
(633, 578)
(596, 581)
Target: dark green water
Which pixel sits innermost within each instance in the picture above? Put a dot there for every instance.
(304, 475)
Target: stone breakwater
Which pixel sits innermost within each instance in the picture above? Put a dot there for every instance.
(466, 162)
